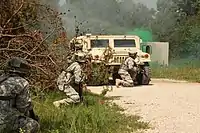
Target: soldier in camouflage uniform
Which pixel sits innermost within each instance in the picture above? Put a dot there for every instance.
(70, 79)
(16, 110)
(128, 71)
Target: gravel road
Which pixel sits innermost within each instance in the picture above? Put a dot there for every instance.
(169, 107)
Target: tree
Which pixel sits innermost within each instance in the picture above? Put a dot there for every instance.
(178, 23)
(189, 7)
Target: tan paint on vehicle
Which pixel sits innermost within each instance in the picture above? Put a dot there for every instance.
(119, 53)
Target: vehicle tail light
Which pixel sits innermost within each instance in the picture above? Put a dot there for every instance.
(145, 56)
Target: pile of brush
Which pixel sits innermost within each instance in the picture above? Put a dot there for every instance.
(34, 32)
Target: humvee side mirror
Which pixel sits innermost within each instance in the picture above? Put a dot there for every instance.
(147, 49)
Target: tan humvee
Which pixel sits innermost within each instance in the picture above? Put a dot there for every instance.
(120, 45)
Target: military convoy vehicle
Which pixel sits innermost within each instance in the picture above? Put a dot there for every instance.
(119, 45)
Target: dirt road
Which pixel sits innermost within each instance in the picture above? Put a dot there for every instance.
(170, 107)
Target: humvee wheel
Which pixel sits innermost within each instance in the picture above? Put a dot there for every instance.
(143, 77)
(146, 75)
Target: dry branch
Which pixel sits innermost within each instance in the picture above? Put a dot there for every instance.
(14, 36)
(14, 14)
(17, 40)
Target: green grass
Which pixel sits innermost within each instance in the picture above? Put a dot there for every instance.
(96, 115)
(180, 70)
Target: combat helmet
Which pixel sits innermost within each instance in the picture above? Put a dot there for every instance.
(18, 65)
(132, 53)
(76, 44)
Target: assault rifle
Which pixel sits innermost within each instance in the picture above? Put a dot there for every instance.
(81, 87)
(80, 92)
(32, 114)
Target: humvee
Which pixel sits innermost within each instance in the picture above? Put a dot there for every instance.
(120, 45)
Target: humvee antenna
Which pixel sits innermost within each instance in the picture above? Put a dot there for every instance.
(77, 26)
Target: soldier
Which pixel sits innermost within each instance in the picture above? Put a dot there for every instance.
(70, 81)
(16, 110)
(128, 71)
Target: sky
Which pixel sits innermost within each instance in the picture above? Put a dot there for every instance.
(148, 3)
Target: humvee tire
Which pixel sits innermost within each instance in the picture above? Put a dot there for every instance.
(146, 75)
(143, 77)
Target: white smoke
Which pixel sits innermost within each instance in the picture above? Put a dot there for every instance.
(148, 3)
(102, 16)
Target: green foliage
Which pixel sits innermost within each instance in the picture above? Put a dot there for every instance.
(179, 26)
(184, 69)
(189, 7)
(96, 115)
(100, 74)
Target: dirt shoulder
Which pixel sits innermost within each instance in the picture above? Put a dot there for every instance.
(169, 107)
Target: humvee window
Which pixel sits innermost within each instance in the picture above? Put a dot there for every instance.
(124, 43)
(99, 43)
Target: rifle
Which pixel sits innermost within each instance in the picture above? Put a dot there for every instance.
(32, 114)
(80, 92)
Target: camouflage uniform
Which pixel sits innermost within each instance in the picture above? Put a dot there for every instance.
(15, 103)
(128, 72)
(68, 82)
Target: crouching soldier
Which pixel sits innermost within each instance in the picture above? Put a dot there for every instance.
(70, 81)
(16, 110)
(128, 71)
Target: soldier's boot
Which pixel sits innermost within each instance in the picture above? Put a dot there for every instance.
(117, 83)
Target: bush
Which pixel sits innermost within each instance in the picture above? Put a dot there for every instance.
(186, 69)
(28, 30)
(100, 74)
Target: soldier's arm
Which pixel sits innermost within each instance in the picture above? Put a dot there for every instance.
(79, 81)
(130, 64)
(78, 74)
(23, 100)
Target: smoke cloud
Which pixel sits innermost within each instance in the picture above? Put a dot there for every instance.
(148, 3)
(104, 16)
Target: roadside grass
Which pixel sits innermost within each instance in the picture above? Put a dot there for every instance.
(97, 115)
(188, 70)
